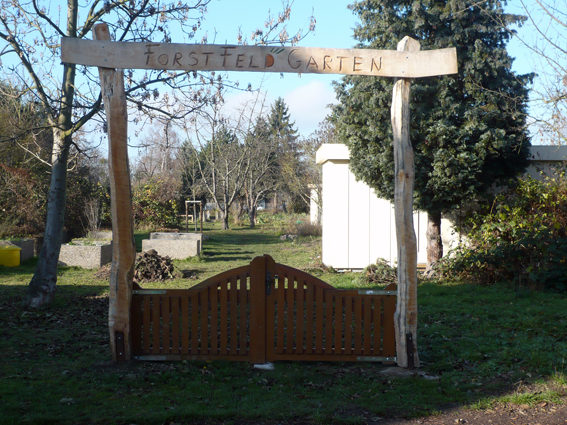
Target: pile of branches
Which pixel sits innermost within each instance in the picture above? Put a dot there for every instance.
(151, 267)
(380, 273)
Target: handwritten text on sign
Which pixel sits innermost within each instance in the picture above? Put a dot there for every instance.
(170, 56)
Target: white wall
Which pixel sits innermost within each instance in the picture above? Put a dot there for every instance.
(358, 227)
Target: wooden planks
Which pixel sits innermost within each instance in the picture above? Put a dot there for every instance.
(305, 60)
(303, 319)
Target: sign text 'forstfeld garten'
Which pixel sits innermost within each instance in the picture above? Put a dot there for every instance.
(209, 57)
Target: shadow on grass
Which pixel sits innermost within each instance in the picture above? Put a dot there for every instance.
(229, 238)
(478, 342)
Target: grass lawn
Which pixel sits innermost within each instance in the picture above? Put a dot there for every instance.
(483, 345)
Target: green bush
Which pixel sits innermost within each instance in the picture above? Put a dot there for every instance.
(523, 239)
(154, 204)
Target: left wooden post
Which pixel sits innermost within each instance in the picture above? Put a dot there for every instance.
(124, 248)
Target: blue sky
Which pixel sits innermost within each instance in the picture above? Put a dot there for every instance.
(306, 95)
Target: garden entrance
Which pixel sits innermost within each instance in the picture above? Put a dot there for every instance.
(405, 63)
(264, 312)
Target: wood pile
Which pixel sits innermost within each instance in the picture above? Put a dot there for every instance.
(151, 267)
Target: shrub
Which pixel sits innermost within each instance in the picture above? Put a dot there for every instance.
(307, 228)
(523, 239)
(380, 273)
(22, 201)
(154, 204)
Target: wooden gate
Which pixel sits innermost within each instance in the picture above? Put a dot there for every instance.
(260, 313)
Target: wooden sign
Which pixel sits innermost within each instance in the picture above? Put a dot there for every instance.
(303, 60)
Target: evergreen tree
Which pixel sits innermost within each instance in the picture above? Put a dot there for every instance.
(468, 130)
(288, 158)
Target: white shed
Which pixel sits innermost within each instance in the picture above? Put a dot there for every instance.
(358, 227)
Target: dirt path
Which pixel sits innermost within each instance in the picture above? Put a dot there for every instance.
(542, 414)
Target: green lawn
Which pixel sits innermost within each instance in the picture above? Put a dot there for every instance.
(486, 345)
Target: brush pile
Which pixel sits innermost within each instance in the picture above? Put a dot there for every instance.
(151, 267)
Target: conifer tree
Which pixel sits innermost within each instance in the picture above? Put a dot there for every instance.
(288, 157)
(468, 130)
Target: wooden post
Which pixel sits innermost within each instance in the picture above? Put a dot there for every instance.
(405, 317)
(258, 310)
(124, 249)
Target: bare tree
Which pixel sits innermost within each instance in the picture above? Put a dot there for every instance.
(219, 154)
(312, 178)
(70, 95)
(545, 36)
(261, 176)
(157, 153)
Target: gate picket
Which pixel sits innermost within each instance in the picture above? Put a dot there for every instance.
(263, 312)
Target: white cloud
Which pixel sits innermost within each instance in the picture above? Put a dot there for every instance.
(308, 105)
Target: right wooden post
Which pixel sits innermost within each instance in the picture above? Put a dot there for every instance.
(405, 318)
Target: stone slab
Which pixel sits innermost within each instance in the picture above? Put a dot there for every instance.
(85, 256)
(27, 246)
(101, 235)
(175, 249)
(177, 236)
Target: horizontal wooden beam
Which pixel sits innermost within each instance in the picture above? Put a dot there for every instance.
(211, 57)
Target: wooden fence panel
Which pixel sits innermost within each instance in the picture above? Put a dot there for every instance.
(270, 313)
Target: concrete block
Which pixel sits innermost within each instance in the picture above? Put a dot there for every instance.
(27, 248)
(100, 235)
(86, 256)
(179, 249)
(177, 236)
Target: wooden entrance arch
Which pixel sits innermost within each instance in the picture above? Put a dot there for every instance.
(112, 57)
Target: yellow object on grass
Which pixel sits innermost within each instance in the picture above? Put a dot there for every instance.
(10, 256)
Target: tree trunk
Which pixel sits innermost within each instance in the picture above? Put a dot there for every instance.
(224, 215)
(43, 283)
(434, 242)
(252, 217)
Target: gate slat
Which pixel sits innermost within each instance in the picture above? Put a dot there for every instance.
(281, 311)
(175, 325)
(156, 325)
(328, 323)
(233, 347)
(214, 312)
(357, 325)
(223, 317)
(389, 348)
(195, 323)
(290, 307)
(243, 308)
(309, 319)
(318, 320)
(339, 320)
(367, 325)
(271, 312)
(348, 325)
(136, 327)
(205, 311)
(300, 317)
(185, 325)
(377, 325)
(147, 320)
(165, 349)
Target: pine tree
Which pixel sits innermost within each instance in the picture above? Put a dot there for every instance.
(288, 158)
(468, 130)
